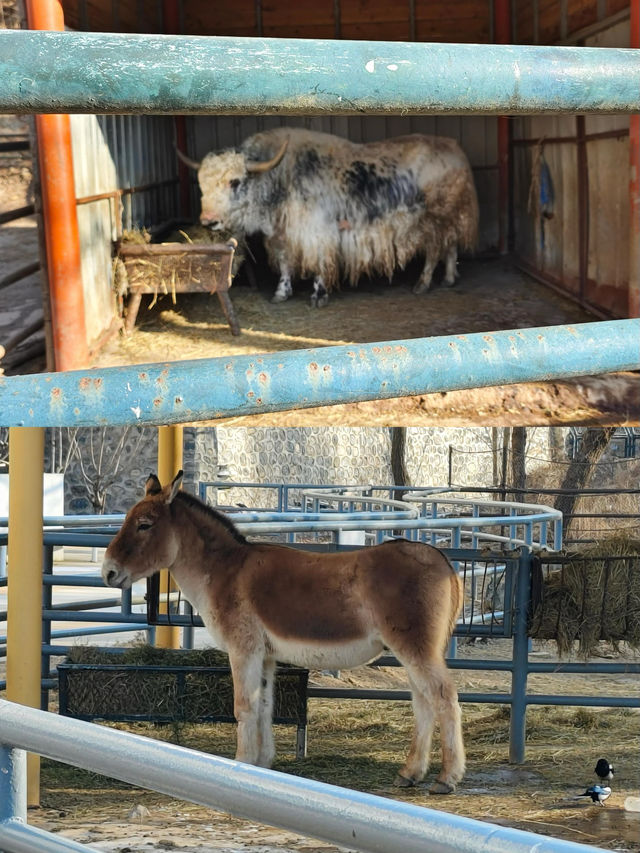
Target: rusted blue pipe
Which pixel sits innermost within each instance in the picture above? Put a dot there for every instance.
(50, 72)
(206, 389)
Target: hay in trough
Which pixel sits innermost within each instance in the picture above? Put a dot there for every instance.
(166, 274)
(590, 595)
(166, 685)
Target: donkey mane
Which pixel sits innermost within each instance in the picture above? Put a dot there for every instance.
(195, 503)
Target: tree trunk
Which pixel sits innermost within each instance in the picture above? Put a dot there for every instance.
(398, 465)
(556, 443)
(518, 461)
(580, 470)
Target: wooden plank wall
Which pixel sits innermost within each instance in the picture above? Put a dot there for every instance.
(555, 21)
(382, 20)
(584, 248)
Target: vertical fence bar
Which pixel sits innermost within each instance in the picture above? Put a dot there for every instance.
(47, 596)
(520, 658)
(24, 592)
(170, 442)
(60, 217)
(13, 784)
(502, 35)
(634, 183)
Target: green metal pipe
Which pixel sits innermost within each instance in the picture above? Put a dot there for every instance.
(65, 72)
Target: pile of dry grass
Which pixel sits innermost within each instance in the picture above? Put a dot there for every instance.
(166, 685)
(590, 595)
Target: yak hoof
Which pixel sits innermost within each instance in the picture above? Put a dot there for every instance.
(278, 297)
(439, 787)
(319, 301)
(403, 781)
(421, 287)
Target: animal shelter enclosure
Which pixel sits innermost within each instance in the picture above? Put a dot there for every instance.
(555, 190)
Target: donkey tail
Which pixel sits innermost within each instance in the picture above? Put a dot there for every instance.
(457, 599)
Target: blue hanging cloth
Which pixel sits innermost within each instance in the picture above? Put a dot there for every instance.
(546, 197)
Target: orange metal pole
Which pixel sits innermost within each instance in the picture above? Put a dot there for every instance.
(502, 35)
(634, 184)
(60, 218)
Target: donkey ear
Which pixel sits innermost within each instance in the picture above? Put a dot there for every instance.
(152, 486)
(175, 486)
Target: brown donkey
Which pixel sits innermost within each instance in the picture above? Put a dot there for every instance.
(265, 602)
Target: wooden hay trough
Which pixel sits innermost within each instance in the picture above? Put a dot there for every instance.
(172, 268)
(167, 686)
(588, 596)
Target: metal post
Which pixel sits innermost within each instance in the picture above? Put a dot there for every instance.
(502, 28)
(169, 463)
(13, 784)
(519, 673)
(60, 217)
(24, 592)
(47, 595)
(634, 183)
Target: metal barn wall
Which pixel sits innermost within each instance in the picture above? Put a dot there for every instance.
(125, 174)
(583, 249)
(477, 136)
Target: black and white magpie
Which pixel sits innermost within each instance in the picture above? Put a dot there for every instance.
(604, 770)
(597, 793)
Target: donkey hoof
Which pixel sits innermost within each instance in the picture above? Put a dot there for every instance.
(403, 781)
(439, 787)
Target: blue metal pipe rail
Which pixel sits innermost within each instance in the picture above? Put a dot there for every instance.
(340, 816)
(49, 72)
(206, 389)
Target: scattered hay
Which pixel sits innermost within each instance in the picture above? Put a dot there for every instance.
(590, 595)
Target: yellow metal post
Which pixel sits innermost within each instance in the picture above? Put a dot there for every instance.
(24, 569)
(169, 463)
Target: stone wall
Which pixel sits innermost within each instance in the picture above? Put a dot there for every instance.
(305, 455)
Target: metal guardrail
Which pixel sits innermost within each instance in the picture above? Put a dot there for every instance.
(340, 816)
(101, 73)
(206, 389)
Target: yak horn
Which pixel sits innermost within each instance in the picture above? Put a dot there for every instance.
(192, 164)
(265, 165)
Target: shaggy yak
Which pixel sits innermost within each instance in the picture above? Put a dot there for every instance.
(334, 210)
(266, 602)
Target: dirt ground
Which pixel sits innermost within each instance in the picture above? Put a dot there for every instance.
(490, 295)
(359, 744)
